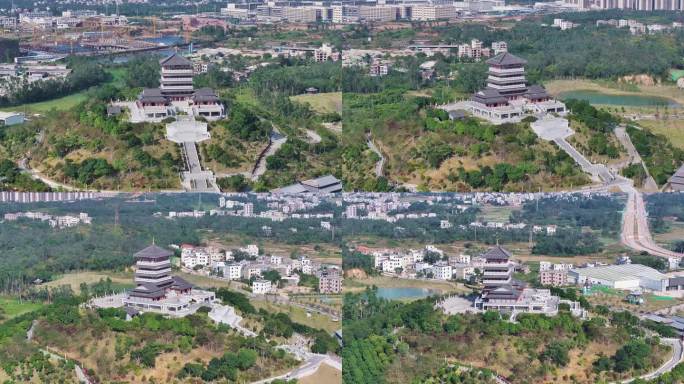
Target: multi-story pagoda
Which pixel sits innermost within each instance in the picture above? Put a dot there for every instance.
(176, 94)
(176, 77)
(497, 276)
(503, 293)
(507, 97)
(156, 289)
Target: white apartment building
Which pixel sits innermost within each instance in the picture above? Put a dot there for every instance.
(252, 250)
(378, 13)
(442, 271)
(325, 53)
(344, 14)
(463, 271)
(303, 14)
(250, 270)
(499, 47)
(392, 264)
(232, 271)
(261, 287)
(307, 266)
(434, 12)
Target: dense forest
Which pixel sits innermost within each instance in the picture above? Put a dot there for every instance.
(393, 342)
(104, 245)
(602, 213)
(586, 51)
(424, 146)
(126, 349)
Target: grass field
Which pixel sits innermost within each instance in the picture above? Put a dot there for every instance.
(675, 233)
(74, 280)
(298, 315)
(616, 299)
(357, 285)
(322, 102)
(12, 307)
(672, 129)
(63, 103)
(66, 102)
(670, 91)
(495, 213)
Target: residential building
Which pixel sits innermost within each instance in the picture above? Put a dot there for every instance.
(233, 271)
(429, 12)
(330, 281)
(261, 287)
(553, 278)
(442, 271)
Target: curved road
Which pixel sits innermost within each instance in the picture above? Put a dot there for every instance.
(23, 166)
(277, 140)
(677, 355)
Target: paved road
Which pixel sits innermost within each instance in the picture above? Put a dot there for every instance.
(195, 179)
(558, 129)
(311, 363)
(634, 157)
(23, 166)
(598, 171)
(225, 314)
(380, 164)
(677, 355)
(80, 373)
(636, 233)
(276, 141)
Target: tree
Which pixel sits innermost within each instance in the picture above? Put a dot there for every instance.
(557, 353)
(246, 358)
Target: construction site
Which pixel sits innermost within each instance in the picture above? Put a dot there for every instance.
(48, 38)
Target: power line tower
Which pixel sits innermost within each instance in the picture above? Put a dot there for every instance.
(116, 216)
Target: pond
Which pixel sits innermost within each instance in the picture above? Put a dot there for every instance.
(636, 100)
(404, 293)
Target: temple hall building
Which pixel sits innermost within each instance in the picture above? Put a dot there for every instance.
(176, 94)
(504, 294)
(507, 98)
(157, 290)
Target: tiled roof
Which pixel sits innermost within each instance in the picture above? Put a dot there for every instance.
(180, 284)
(506, 58)
(489, 95)
(153, 252)
(175, 60)
(497, 252)
(536, 92)
(677, 180)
